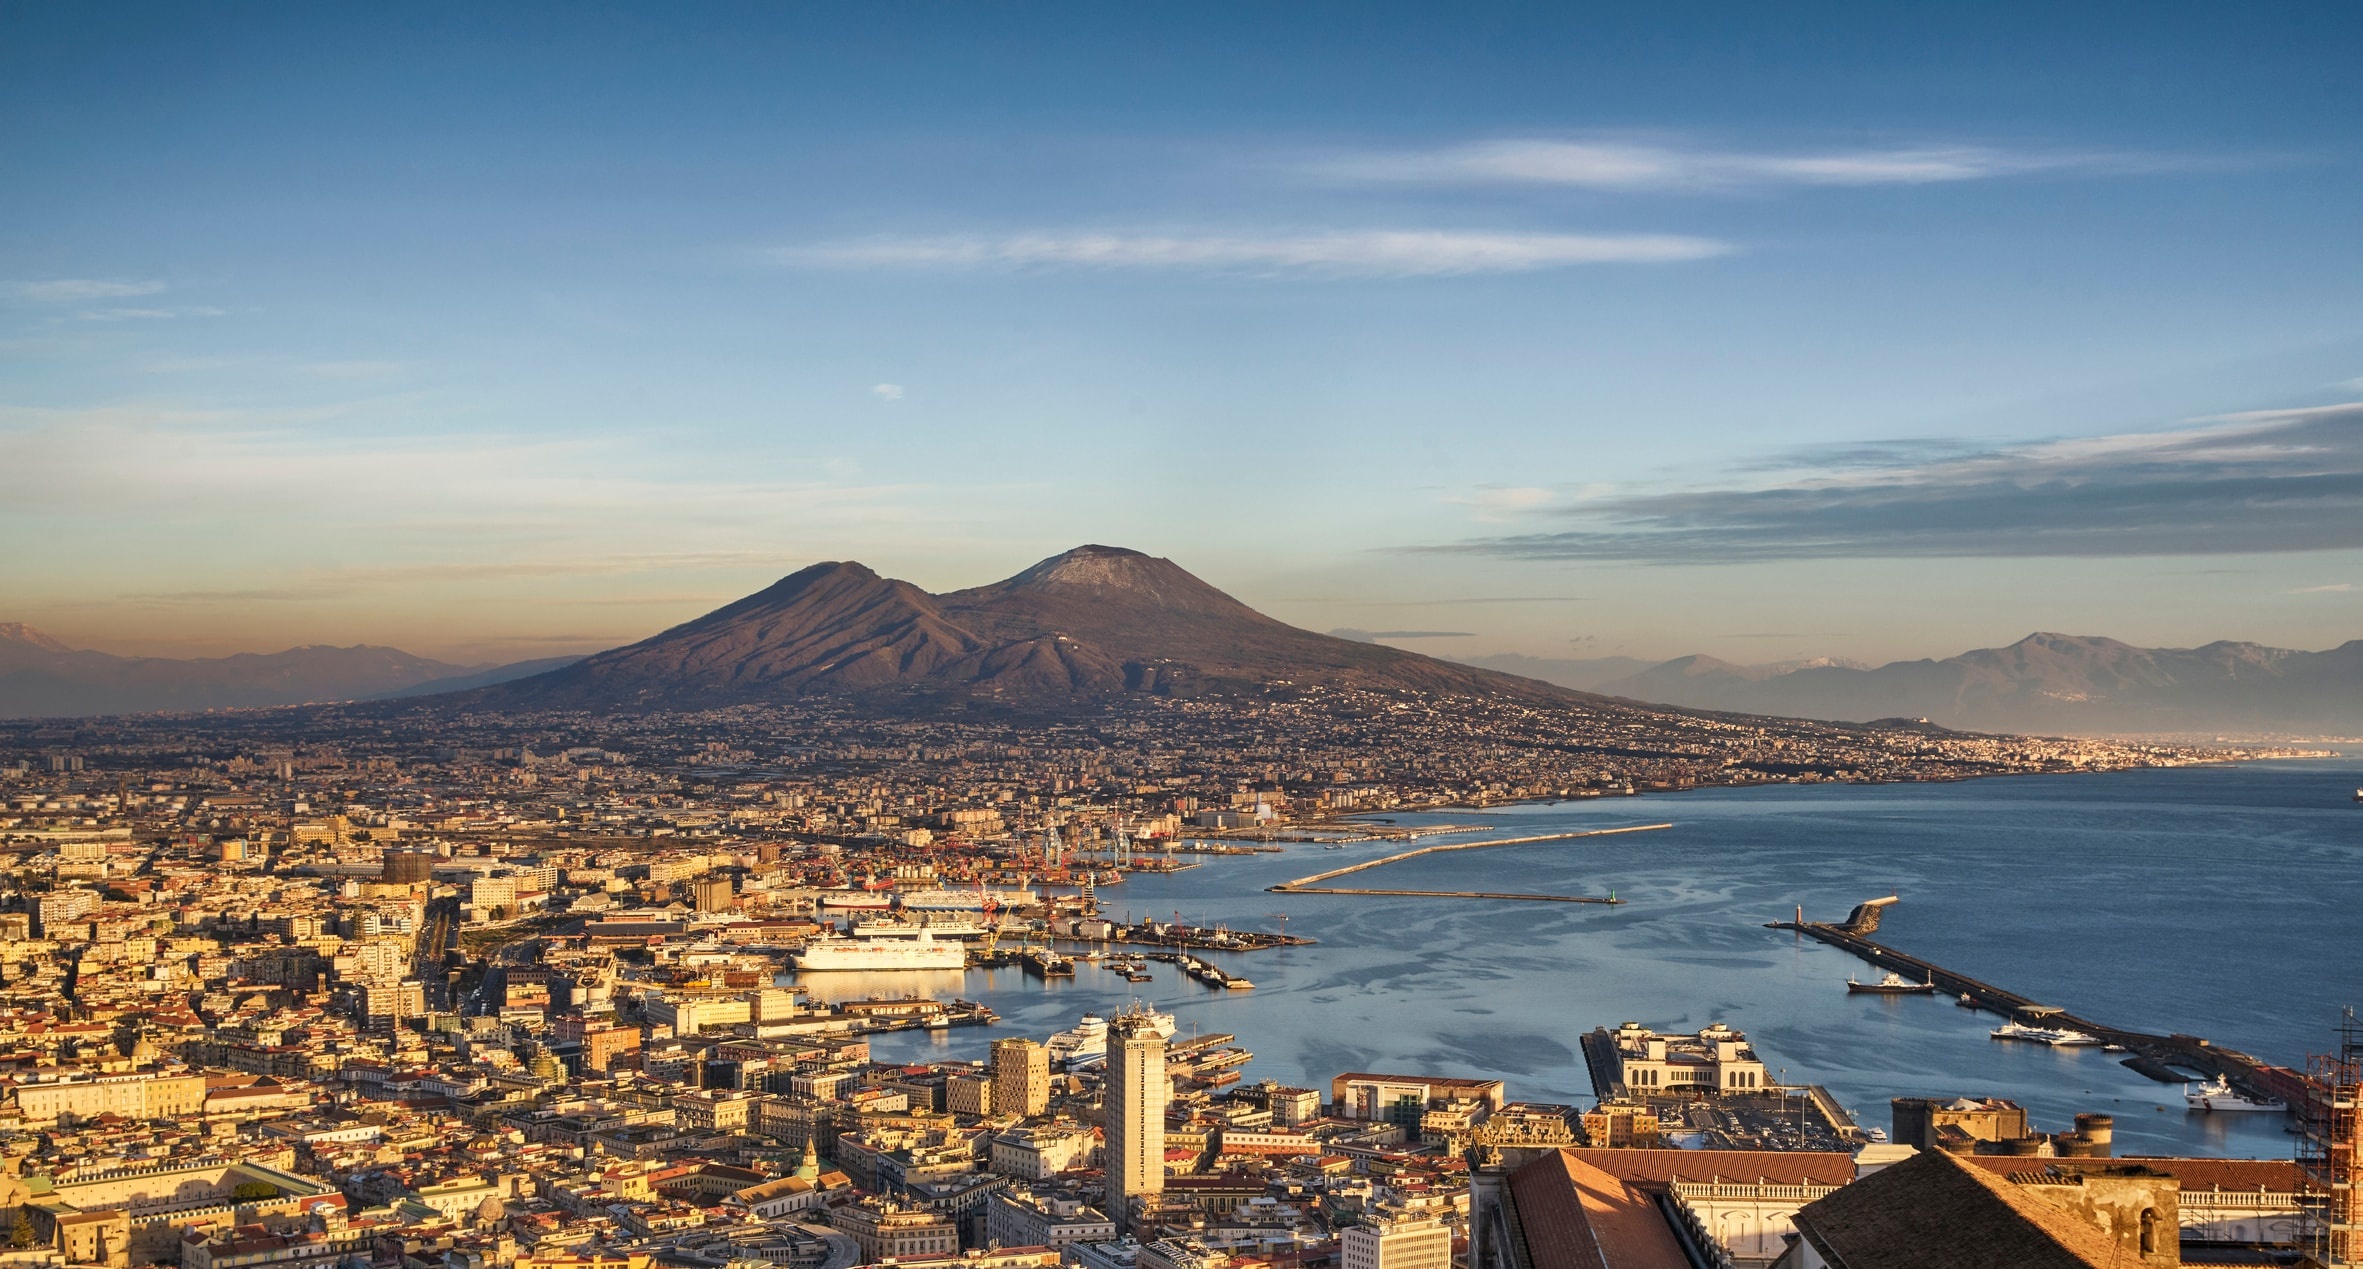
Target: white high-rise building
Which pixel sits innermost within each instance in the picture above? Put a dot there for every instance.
(1405, 1244)
(1133, 1115)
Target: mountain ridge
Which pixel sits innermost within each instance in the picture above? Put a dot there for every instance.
(2044, 682)
(44, 677)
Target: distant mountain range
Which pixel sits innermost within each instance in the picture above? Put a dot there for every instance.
(2044, 683)
(41, 677)
(1088, 625)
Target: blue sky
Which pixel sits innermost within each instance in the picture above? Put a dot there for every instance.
(1874, 332)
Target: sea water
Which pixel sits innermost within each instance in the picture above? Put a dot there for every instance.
(2225, 902)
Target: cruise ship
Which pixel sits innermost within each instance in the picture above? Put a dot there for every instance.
(964, 900)
(1087, 1045)
(892, 952)
(855, 900)
(2217, 1094)
(942, 927)
(2059, 1037)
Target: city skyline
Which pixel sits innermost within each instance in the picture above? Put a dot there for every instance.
(1573, 335)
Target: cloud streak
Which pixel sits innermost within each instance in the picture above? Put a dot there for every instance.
(1641, 167)
(83, 290)
(1351, 254)
(2271, 481)
(1374, 636)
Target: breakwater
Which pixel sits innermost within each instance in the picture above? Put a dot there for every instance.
(1312, 884)
(2156, 1051)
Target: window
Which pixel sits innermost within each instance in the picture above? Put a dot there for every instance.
(2149, 1231)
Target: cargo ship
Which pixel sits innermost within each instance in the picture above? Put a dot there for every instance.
(920, 952)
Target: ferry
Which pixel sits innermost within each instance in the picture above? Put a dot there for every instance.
(2217, 1095)
(855, 900)
(964, 900)
(1086, 1046)
(2057, 1037)
(938, 926)
(922, 952)
(1893, 984)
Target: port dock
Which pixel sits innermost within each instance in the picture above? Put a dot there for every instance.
(2151, 1053)
(1312, 884)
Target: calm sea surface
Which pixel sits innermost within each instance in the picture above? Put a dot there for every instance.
(2224, 902)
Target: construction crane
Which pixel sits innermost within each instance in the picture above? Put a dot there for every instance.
(1282, 918)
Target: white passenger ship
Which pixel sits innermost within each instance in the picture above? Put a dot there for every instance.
(1086, 1046)
(892, 952)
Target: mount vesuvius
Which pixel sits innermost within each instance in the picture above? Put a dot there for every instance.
(1094, 623)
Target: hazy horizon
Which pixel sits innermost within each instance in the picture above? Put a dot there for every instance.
(495, 335)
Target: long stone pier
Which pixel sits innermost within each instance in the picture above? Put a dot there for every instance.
(2278, 1082)
(1312, 884)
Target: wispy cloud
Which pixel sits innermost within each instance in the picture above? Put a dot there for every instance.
(2269, 481)
(1641, 166)
(352, 370)
(2335, 588)
(83, 290)
(1502, 502)
(1374, 636)
(888, 391)
(126, 314)
(1353, 254)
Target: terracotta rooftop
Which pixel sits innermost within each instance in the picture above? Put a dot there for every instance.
(1654, 1170)
(1576, 1216)
(1935, 1211)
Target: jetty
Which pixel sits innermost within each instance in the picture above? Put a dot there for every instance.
(2152, 1053)
(1313, 884)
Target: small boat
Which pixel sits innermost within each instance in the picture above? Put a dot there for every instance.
(1967, 1001)
(1236, 983)
(2217, 1095)
(1893, 984)
(1876, 1136)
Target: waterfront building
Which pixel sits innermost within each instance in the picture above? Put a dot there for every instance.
(1133, 1113)
(1716, 1060)
(1404, 1100)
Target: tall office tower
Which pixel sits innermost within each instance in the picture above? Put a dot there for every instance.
(1021, 1077)
(1133, 1114)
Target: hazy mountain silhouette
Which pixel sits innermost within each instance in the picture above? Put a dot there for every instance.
(1095, 622)
(41, 677)
(2042, 683)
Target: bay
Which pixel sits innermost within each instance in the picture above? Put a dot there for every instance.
(2218, 901)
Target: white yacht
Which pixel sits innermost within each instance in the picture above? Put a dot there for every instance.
(921, 952)
(2058, 1037)
(2217, 1094)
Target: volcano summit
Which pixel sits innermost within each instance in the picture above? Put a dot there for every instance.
(1094, 623)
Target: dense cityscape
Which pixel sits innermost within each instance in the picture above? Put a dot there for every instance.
(358, 985)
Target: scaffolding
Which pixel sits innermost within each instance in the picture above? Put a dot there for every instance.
(2331, 1150)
